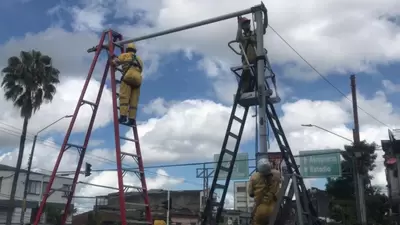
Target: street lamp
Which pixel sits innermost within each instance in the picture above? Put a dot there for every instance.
(321, 128)
(30, 165)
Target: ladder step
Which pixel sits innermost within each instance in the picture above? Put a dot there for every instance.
(89, 103)
(129, 154)
(229, 152)
(237, 119)
(128, 139)
(137, 222)
(219, 186)
(233, 135)
(75, 146)
(130, 186)
(224, 169)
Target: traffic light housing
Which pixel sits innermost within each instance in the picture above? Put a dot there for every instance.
(88, 169)
(165, 204)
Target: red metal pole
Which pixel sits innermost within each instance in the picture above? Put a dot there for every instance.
(85, 144)
(121, 196)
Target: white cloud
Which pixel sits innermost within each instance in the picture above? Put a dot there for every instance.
(67, 49)
(63, 104)
(334, 37)
(189, 130)
(390, 87)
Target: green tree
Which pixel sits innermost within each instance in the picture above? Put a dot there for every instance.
(28, 81)
(341, 189)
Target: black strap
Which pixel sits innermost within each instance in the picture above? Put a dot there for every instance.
(133, 63)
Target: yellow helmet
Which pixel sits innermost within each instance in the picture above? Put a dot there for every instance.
(131, 46)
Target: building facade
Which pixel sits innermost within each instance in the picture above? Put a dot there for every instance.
(36, 188)
(242, 201)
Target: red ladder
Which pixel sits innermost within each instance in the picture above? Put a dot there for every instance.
(112, 37)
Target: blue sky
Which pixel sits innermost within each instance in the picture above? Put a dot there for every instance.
(176, 73)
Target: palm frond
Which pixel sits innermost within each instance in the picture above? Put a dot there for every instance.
(38, 100)
(26, 58)
(29, 81)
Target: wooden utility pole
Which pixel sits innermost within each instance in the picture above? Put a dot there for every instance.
(358, 178)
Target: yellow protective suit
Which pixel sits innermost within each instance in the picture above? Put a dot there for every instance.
(132, 66)
(264, 190)
(159, 222)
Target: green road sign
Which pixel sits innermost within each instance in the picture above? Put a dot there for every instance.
(320, 163)
(240, 168)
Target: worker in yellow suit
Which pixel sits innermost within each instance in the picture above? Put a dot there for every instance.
(247, 38)
(132, 67)
(264, 186)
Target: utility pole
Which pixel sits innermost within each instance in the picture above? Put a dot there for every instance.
(359, 181)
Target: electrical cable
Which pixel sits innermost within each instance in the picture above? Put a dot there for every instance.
(325, 78)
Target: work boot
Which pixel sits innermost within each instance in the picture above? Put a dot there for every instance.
(131, 122)
(122, 119)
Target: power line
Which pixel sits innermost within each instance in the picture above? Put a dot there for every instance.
(325, 78)
(202, 163)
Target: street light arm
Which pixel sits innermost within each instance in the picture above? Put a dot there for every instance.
(67, 116)
(321, 128)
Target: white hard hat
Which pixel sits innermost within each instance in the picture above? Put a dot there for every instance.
(264, 166)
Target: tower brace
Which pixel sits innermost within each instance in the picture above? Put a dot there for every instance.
(141, 209)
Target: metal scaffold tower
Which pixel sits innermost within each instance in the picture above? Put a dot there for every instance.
(261, 95)
(122, 207)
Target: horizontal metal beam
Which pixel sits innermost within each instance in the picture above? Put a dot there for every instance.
(253, 9)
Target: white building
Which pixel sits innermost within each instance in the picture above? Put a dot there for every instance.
(36, 188)
(242, 201)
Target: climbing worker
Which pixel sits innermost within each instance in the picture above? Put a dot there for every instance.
(131, 80)
(263, 187)
(247, 38)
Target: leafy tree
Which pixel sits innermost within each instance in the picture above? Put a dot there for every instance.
(28, 81)
(341, 189)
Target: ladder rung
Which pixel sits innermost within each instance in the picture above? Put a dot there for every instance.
(75, 146)
(224, 169)
(233, 135)
(237, 119)
(138, 222)
(129, 154)
(229, 152)
(219, 186)
(128, 139)
(130, 186)
(89, 103)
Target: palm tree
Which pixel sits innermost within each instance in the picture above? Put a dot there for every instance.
(29, 80)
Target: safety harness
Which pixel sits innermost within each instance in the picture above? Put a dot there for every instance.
(134, 62)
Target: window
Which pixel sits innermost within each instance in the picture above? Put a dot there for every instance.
(44, 187)
(34, 187)
(66, 189)
(1, 183)
(241, 189)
